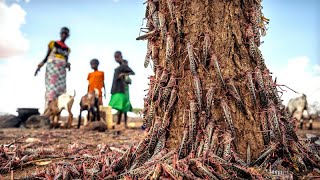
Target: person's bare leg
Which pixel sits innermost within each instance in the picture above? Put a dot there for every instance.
(119, 117)
(125, 120)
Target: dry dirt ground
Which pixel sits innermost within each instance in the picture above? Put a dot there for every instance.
(62, 141)
(315, 131)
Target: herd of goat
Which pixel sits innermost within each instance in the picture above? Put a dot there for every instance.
(88, 102)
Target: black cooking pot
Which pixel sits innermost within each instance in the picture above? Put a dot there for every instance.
(25, 113)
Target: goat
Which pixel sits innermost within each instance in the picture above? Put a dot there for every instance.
(297, 106)
(54, 108)
(90, 102)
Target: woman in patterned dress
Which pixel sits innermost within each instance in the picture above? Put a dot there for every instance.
(57, 63)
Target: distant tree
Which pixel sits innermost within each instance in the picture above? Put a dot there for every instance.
(136, 110)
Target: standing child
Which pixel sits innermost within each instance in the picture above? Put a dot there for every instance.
(127, 81)
(119, 99)
(96, 80)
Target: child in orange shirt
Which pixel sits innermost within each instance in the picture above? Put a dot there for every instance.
(96, 80)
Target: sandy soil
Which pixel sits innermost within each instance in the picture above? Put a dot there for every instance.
(62, 140)
(315, 131)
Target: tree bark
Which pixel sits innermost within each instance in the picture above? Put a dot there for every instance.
(223, 22)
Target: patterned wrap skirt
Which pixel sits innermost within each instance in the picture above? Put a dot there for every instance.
(55, 79)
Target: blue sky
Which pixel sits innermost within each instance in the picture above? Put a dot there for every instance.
(100, 27)
(293, 31)
(97, 22)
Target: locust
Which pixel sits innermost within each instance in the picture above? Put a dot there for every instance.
(209, 98)
(207, 138)
(150, 116)
(248, 154)
(148, 55)
(251, 87)
(154, 54)
(261, 86)
(232, 89)
(273, 119)
(171, 8)
(183, 149)
(162, 24)
(174, 173)
(192, 122)
(200, 148)
(154, 135)
(238, 159)
(270, 150)
(172, 99)
(216, 66)
(198, 91)
(264, 125)
(206, 47)
(168, 89)
(227, 146)
(155, 20)
(228, 117)
(169, 48)
(192, 59)
(260, 61)
(148, 35)
(214, 139)
(204, 171)
(157, 172)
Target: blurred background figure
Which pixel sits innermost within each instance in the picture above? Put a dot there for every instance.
(127, 81)
(57, 63)
(119, 99)
(96, 80)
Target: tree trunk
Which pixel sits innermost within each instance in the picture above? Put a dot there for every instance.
(212, 96)
(223, 22)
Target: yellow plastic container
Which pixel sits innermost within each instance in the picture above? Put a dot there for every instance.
(107, 110)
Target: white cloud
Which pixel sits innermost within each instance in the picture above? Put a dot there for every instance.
(300, 76)
(18, 86)
(317, 68)
(26, 1)
(12, 41)
(115, 1)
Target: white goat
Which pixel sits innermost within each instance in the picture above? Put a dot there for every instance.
(296, 107)
(54, 108)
